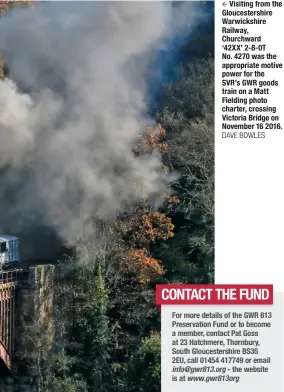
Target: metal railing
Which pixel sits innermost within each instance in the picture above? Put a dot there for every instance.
(10, 276)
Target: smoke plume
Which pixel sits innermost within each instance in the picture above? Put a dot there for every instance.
(73, 106)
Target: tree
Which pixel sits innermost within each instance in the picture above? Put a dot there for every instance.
(106, 320)
(142, 372)
(189, 121)
(91, 334)
(137, 231)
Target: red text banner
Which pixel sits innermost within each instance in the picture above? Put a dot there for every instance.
(185, 294)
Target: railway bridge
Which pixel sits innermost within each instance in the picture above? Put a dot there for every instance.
(11, 282)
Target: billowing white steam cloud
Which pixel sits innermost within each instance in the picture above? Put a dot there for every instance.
(75, 106)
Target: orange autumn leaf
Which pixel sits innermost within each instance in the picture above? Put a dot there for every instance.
(157, 226)
(173, 200)
(151, 140)
(146, 267)
(142, 227)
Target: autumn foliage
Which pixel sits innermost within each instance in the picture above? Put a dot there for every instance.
(144, 265)
(143, 226)
(138, 230)
(152, 140)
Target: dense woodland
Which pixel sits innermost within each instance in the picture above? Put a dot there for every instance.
(108, 327)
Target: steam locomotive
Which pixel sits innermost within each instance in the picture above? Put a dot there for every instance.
(9, 251)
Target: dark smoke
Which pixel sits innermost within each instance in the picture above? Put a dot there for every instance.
(74, 106)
